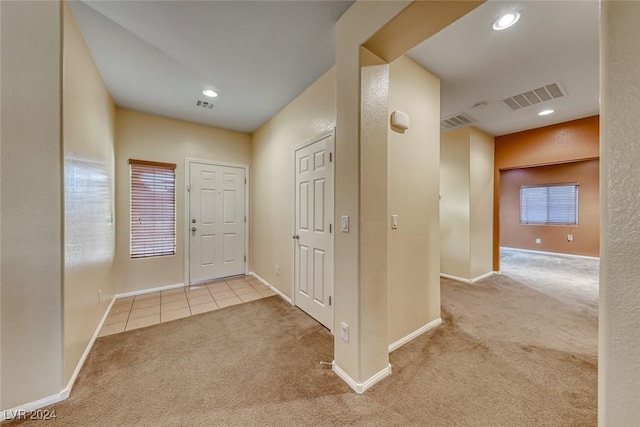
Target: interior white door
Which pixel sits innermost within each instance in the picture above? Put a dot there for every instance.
(216, 221)
(313, 246)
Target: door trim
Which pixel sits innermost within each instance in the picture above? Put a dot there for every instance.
(332, 134)
(187, 180)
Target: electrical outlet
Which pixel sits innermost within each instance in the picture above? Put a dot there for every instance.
(570, 238)
(277, 270)
(100, 295)
(538, 241)
(344, 331)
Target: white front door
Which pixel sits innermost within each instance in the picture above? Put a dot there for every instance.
(313, 246)
(216, 222)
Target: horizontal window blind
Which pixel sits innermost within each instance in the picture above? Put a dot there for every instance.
(549, 204)
(153, 208)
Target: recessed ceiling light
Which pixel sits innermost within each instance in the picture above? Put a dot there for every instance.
(210, 93)
(505, 21)
(546, 112)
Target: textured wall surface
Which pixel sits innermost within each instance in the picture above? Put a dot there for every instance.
(466, 207)
(455, 224)
(311, 114)
(619, 345)
(31, 192)
(89, 207)
(413, 187)
(147, 137)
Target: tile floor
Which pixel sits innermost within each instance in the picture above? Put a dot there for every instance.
(159, 307)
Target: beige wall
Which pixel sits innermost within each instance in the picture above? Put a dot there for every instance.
(88, 143)
(413, 163)
(619, 334)
(466, 207)
(31, 194)
(455, 224)
(481, 202)
(400, 25)
(355, 305)
(148, 137)
(312, 113)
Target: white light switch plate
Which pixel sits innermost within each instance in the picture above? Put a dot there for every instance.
(345, 224)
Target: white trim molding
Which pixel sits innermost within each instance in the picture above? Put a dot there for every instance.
(469, 281)
(415, 334)
(148, 291)
(548, 253)
(67, 391)
(18, 411)
(23, 410)
(273, 288)
(361, 387)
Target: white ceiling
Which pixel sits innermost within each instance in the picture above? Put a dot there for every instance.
(553, 42)
(157, 56)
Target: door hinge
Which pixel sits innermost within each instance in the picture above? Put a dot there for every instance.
(330, 228)
(329, 299)
(331, 157)
(245, 181)
(245, 219)
(188, 188)
(245, 258)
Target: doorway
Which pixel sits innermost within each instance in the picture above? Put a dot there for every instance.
(216, 220)
(313, 229)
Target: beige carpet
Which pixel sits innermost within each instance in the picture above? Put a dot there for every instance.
(506, 356)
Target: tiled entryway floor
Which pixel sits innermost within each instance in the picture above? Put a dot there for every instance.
(159, 307)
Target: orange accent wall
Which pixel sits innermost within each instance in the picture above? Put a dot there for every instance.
(586, 235)
(567, 142)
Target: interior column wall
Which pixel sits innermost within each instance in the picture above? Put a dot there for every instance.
(31, 193)
(413, 187)
(481, 202)
(619, 332)
(455, 224)
(399, 26)
(466, 207)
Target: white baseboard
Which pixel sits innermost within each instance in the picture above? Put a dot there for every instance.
(531, 251)
(67, 391)
(361, 387)
(469, 281)
(413, 335)
(273, 288)
(23, 410)
(149, 290)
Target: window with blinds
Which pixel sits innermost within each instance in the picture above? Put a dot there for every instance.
(153, 208)
(549, 204)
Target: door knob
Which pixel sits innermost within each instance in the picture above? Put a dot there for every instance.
(193, 220)
(193, 229)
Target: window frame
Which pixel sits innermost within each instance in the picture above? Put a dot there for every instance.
(157, 248)
(547, 222)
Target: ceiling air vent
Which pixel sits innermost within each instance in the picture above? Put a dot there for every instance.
(456, 121)
(204, 104)
(536, 96)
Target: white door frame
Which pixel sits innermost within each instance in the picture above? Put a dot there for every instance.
(186, 227)
(332, 134)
